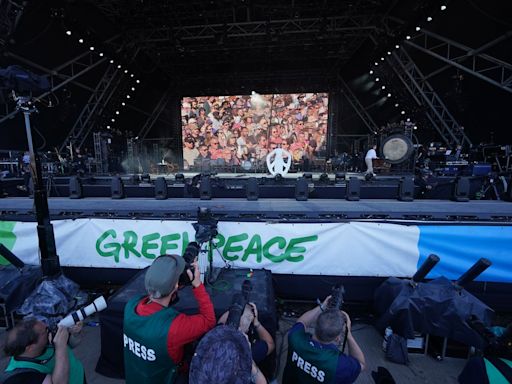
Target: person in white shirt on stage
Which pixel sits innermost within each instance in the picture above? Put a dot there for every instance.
(368, 159)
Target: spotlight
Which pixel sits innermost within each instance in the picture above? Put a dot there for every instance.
(429, 19)
(133, 88)
(111, 61)
(108, 126)
(91, 48)
(418, 29)
(396, 105)
(415, 127)
(389, 94)
(127, 96)
(113, 120)
(117, 112)
(408, 119)
(389, 53)
(119, 66)
(443, 7)
(403, 112)
(397, 46)
(253, 93)
(123, 103)
(377, 79)
(81, 41)
(101, 54)
(137, 81)
(125, 71)
(383, 87)
(376, 63)
(371, 72)
(382, 59)
(132, 75)
(68, 32)
(408, 37)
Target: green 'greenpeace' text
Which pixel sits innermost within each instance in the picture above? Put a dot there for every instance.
(236, 247)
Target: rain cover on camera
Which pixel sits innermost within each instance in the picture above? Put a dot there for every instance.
(52, 300)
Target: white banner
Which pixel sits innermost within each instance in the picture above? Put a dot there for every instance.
(341, 249)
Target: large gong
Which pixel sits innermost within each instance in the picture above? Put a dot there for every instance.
(397, 148)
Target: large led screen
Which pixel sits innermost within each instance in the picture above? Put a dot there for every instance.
(236, 131)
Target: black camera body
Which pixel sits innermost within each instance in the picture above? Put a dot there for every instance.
(189, 255)
(336, 300)
(206, 226)
(240, 300)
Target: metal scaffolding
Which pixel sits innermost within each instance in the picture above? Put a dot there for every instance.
(472, 61)
(152, 119)
(424, 95)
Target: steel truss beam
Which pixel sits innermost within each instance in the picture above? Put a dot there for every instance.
(423, 93)
(10, 14)
(159, 108)
(472, 61)
(68, 72)
(358, 107)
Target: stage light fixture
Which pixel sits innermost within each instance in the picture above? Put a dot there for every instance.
(381, 59)
(132, 75)
(383, 87)
(91, 48)
(397, 46)
(418, 29)
(125, 71)
(371, 72)
(396, 105)
(119, 66)
(68, 32)
(389, 53)
(408, 37)
(113, 120)
(108, 126)
(117, 112)
(403, 112)
(389, 94)
(137, 81)
(429, 19)
(127, 96)
(408, 119)
(253, 93)
(123, 103)
(111, 61)
(376, 63)
(133, 88)
(415, 127)
(81, 41)
(377, 79)
(443, 7)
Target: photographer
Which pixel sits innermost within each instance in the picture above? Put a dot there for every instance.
(496, 364)
(264, 344)
(37, 358)
(155, 334)
(317, 358)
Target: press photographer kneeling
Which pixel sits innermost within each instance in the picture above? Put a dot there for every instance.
(318, 358)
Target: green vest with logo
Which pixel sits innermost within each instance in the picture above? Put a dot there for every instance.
(308, 364)
(45, 363)
(493, 373)
(146, 358)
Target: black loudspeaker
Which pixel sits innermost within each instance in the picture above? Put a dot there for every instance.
(339, 177)
(111, 362)
(406, 189)
(308, 175)
(117, 188)
(180, 178)
(353, 189)
(160, 188)
(205, 188)
(461, 189)
(252, 189)
(301, 189)
(75, 188)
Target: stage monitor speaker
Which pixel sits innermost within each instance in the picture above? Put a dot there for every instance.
(111, 362)
(75, 188)
(117, 188)
(339, 177)
(252, 189)
(308, 175)
(353, 189)
(205, 188)
(301, 189)
(180, 178)
(461, 189)
(406, 189)
(160, 188)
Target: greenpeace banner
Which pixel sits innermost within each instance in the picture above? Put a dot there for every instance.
(340, 249)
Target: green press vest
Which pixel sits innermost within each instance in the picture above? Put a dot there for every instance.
(46, 363)
(307, 364)
(146, 359)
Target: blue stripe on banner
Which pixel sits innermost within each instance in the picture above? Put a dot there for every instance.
(459, 247)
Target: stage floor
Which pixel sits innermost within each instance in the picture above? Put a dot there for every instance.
(280, 209)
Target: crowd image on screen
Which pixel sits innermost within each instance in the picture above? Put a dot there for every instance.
(240, 130)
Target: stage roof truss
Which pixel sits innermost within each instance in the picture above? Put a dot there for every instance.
(472, 61)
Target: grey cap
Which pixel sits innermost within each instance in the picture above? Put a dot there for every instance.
(162, 276)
